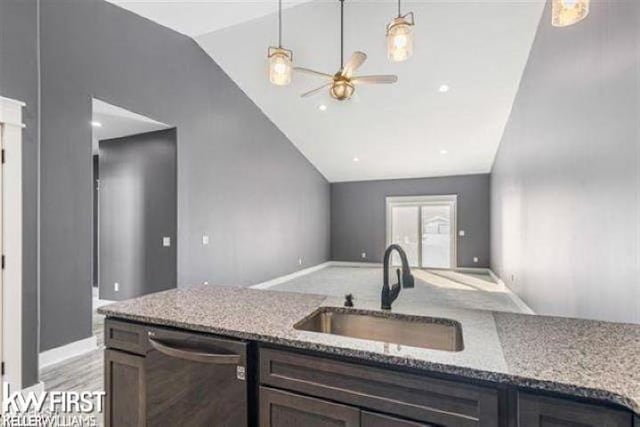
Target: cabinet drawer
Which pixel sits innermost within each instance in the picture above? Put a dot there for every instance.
(282, 409)
(125, 336)
(413, 396)
(543, 411)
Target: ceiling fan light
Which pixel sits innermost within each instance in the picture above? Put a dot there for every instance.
(280, 66)
(568, 12)
(400, 38)
(342, 90)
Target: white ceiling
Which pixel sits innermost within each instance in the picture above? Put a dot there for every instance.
(117, 122)
(196, 17)
(477, 47)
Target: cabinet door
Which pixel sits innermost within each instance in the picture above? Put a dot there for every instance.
(542, 411)
(371, 419)
(124, 382)
(282, 409)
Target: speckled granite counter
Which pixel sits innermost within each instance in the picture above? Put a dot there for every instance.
(577, 357)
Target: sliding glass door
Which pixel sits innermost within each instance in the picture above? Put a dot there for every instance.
(425, 227)
(406, 232)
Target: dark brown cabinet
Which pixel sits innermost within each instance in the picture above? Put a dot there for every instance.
(284, 409)
(406, 395)
(124, 385)
(371, 419)
(542, 411)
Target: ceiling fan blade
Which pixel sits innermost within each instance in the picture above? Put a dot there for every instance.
(388, 79)
(312, 72)
(356, 60)
(315, 91)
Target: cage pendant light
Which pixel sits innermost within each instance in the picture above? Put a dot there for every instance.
(568, 12)
(280, 59)
(400, 36)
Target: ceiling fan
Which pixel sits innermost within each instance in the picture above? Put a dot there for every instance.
(343, 83)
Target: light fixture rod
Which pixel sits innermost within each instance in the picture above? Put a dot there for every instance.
(341, 34)
(399, 10)
(280, 23)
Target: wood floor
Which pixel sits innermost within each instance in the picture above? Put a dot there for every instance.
(82, 373)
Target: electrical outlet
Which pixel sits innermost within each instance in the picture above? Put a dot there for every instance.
(205, 240)
(363, 255)
(116, 287)
(299, 261)
(461, 233)
(475, 259)
(166, 241)
(205, 283)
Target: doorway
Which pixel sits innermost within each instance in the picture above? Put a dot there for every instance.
(425, 227)
(134, 207)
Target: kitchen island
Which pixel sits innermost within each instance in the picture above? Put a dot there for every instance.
(512, 369)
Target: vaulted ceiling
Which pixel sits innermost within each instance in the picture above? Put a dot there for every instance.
(477, 49)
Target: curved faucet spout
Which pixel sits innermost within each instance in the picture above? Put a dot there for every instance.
(389, 294)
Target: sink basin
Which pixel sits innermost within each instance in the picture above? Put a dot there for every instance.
(416, 331)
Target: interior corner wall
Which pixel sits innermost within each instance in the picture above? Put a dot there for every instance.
(358, 215)
(19, 80)
(240, 180)
(565, 186)
(137, 211)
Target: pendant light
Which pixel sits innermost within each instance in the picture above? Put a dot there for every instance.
(568, 12)
(400, 36)
(280, 59)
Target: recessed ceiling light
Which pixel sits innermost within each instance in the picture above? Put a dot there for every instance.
(356, 160)
(322, 107)
(96, 124)
(443, 152)
(444, 88)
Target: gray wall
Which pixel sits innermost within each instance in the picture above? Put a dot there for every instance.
(358, 217)
(565, 184)
(138, 207)
(19, 80)
(240, 180)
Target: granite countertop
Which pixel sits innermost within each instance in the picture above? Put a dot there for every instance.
(583, 358)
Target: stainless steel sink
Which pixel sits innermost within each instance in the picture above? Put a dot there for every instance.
(416, 331)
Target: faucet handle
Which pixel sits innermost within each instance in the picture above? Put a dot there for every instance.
(348, 300)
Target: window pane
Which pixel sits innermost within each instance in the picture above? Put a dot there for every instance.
(405, 232)
(436, 236)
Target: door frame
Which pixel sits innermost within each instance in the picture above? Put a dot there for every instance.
(11, 240)
(437, 200)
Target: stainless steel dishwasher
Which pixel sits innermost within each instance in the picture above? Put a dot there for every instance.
(195, 380)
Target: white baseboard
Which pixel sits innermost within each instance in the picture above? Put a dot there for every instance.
(97, 303)
(37, 388)
(514, 297)
(62, 353)
(278, 280)
(354, 264)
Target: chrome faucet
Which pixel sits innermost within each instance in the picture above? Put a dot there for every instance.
(389, 294)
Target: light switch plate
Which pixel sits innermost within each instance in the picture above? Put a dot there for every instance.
(461, 233)
(205, 240)
(363, 255)
(166, 241)
(475, 259)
